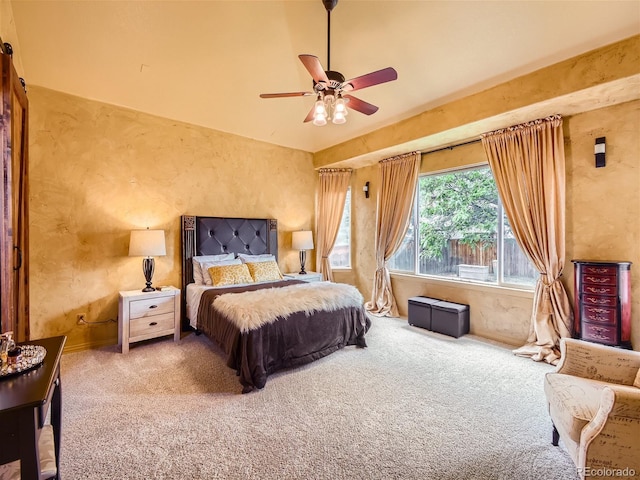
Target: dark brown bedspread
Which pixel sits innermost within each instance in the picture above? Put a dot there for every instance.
(287, 342)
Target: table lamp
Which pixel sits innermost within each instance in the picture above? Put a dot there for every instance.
(147, 243)
(303, 241)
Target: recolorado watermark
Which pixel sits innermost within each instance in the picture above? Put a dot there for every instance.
(607, 472)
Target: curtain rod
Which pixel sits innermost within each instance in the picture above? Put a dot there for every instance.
(451, 147)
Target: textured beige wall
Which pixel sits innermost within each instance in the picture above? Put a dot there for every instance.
(603, 204)
(603, 223)
(97, 171)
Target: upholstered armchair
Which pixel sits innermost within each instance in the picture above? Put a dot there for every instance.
(594, 403)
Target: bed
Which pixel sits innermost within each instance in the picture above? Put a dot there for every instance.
(264, 326)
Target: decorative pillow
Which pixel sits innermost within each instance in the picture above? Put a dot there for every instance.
(198, 271)
(266, 257)
(264, 271)
(230, 275)
(207, 265)
(636, 382)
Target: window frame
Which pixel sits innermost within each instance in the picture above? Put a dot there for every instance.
(500, 282)
(350, 239)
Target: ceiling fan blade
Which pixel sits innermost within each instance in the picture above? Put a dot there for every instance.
(360, 105)
(314, 67)
(290, 94)
(374, 78)
(309, 116)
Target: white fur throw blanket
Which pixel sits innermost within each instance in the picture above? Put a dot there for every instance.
(251, 310)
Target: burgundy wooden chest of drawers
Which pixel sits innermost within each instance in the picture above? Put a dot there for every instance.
(602, 309)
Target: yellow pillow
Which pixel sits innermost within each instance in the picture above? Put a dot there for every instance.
(229, 275)
(264, 271)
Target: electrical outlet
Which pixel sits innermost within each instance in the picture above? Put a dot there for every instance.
(82, 318)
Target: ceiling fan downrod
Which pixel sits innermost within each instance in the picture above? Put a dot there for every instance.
(329, 5)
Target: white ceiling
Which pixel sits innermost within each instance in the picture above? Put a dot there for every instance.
(206, 62)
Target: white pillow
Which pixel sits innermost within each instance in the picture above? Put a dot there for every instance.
(266, 257)
(207, 265)
(198, 276)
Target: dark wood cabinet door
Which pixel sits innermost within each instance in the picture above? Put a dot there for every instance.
(14, 254)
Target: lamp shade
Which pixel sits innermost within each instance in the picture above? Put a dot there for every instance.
(302, 240)
(147, 243)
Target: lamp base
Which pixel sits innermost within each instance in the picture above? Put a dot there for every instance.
(303, 258)
(148, 266)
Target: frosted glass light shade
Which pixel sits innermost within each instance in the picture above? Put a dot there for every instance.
(147, 243)
(302, 240)
(319, 120)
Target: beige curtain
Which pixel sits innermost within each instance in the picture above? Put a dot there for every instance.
(528, 165)
(398, 182)
(332, 193)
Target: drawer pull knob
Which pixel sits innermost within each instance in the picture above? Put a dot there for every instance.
(153, 306)
(153, 323)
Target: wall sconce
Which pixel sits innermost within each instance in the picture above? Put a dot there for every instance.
(365, 189)
(147, 243)
(599, 151)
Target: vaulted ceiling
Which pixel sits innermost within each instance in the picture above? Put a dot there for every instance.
(206, 62)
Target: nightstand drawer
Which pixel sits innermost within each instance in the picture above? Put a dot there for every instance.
(151, 326)
(150, 306)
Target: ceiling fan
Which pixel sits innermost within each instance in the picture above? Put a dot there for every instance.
(330, 87)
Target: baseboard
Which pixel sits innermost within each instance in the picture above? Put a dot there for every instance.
(79, 347)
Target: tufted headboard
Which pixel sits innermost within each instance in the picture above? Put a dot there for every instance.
(214, 235)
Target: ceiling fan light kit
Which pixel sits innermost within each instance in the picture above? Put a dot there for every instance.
(330, 87)
(330, 107)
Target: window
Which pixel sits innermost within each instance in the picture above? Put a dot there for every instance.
(340, 256)
(458, 230)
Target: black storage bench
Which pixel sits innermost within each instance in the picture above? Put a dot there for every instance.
(420, 311)
(450, 318)
(439, 316)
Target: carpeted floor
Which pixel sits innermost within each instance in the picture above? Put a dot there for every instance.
(413, 405)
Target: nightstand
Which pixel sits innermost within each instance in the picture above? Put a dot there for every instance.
(145, 315)
(309, 277)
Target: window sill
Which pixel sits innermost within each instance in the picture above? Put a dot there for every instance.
(467, 284)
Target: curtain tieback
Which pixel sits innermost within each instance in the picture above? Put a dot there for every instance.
(325, 257)
(545, 282)
(546, 307)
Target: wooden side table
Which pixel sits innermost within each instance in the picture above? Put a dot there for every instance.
(145, 315)
(309, 277)
(24, 402)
